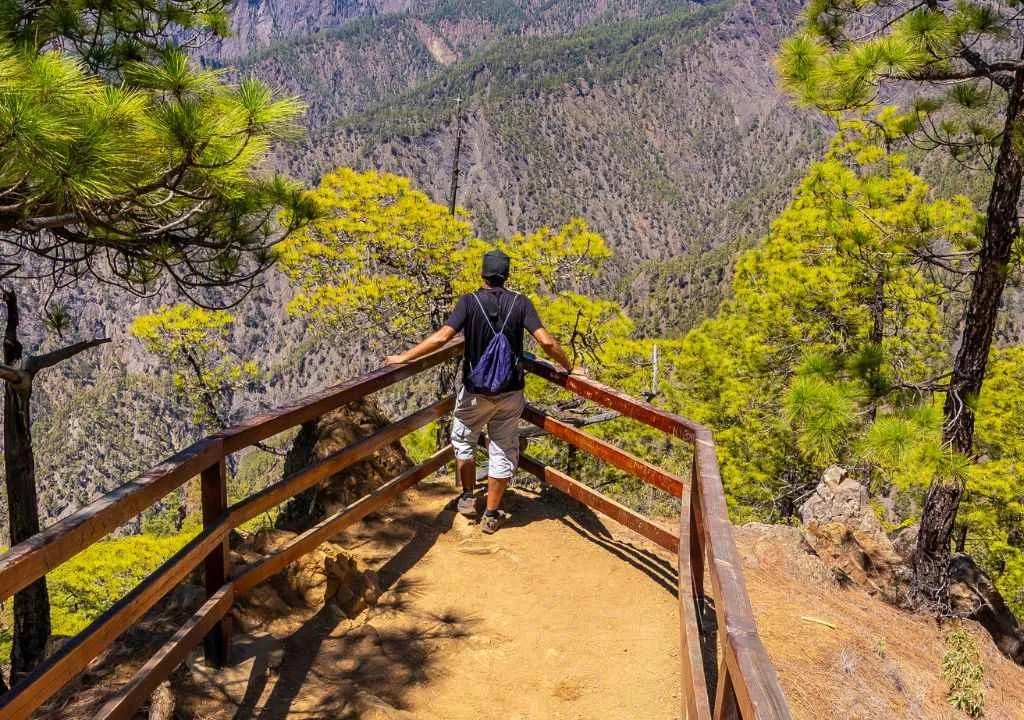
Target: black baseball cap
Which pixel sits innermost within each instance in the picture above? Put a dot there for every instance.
(496, 265)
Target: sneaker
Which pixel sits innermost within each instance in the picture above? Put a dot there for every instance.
(489, 524)
(467, 505)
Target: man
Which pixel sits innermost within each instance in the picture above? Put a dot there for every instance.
(481, 316)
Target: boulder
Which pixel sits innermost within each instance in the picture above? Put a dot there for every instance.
(840, 526)
(904, 542)
(838, 498)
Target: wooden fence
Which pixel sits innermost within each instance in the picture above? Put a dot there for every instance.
(745, 684)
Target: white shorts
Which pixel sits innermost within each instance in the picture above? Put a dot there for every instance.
(500, 415)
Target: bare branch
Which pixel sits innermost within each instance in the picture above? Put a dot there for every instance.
(40, 362)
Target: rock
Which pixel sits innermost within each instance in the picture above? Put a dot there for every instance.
(973, 595)
(838, 498)
(326, 436)
(865, 558)
(840, 526)
(161, 703)
(904, 542)
(326, 576)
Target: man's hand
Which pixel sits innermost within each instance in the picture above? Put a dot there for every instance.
(395, 359)
(578, 370)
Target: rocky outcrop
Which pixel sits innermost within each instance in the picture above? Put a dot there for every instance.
(320, 439)
(328, 576)
(840, 526)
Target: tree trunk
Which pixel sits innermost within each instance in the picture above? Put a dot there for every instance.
(31, 605)
(931, 561)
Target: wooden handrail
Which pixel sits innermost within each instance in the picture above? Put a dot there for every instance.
(616, 511)
(748, 672)
(311, 407)
(638, 468)
(125, 702)
(27, 561)
(669, 423)
(747, 685)
(77, 653)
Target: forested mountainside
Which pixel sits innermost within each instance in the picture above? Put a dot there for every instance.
(658, 122)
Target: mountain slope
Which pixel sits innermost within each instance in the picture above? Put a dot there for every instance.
(664, 130)
(658, 121)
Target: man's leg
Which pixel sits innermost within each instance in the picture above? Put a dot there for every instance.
(469, 418)
(466, 470)
(495, 491)
(503, 454)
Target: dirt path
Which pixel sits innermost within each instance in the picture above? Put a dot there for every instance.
(555, 616)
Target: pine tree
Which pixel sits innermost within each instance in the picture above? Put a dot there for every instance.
(119, 159)
(961, 65)
(387, 258)
(833, 327)
(193, 343)
(122, 161)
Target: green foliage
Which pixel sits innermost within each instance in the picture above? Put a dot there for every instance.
(962, 669)
(421, 443)
(85, 586)
(193, 342)
(387, 258)
(948, 59)
(993, 508)
(832, 328)
(108, 34)
(128, 154)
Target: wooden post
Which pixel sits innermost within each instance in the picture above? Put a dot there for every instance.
(215, 504)
(726, 705)
(697, 541)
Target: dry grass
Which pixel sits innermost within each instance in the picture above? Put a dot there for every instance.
(877, 663)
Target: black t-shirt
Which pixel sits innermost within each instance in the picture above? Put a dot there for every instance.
(497, 303)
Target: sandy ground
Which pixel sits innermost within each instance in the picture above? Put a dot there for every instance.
(871, 661)
(559, 615)
(555, 616)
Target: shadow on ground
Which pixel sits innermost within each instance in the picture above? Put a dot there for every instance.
(333, 667)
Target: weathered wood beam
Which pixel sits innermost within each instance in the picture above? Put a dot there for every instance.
(330, 527)
(670, 423)
(638, 468)
(158, 668)
(29, 560)
(595, 500)
(20, 701)
(129, 698)
(309, 408)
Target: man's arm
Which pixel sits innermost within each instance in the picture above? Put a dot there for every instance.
(435, 341)
(554, 351)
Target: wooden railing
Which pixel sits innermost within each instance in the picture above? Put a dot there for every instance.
(746, 685)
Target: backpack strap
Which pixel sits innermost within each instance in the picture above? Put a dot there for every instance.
(510, 309)
(487, 319)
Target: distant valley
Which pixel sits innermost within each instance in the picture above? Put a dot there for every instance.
(658, 122)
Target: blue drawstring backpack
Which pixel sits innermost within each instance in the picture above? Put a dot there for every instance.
(494, 371)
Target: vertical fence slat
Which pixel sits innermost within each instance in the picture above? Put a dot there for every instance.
(214, 489)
